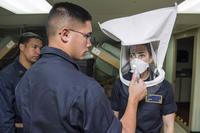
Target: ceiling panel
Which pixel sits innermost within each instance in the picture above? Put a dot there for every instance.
(101, 11)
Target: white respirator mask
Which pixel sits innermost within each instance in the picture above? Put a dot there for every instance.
(138, 66)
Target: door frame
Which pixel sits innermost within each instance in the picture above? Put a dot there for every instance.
(186, 34)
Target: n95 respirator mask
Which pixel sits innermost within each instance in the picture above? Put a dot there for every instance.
(138, 66)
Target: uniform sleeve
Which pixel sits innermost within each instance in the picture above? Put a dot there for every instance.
(169, 105)
(92, 113)
(7, 123)
(115, 96)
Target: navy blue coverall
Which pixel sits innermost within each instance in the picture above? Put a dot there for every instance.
(54, 96)
(9, 78)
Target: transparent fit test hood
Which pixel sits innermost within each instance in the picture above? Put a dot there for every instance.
(154, 27)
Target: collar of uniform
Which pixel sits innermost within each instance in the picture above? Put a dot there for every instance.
(58, 52)
(21, 69)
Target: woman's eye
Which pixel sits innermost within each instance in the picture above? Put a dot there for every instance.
(142, 55)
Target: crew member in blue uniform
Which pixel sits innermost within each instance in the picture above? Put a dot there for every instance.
(54, 96)
(156, 110)
(29, 47)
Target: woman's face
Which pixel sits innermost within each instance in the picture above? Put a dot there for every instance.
(140, 52)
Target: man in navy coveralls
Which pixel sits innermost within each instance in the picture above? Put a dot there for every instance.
(54, 96)
(29, 46)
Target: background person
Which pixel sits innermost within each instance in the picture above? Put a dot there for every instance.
(29, 46)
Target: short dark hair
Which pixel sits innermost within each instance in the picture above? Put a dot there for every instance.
(25, 37)
(69, 10)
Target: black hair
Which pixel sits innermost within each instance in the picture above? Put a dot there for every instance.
(25, 37)
(66, 9)
(148, 46)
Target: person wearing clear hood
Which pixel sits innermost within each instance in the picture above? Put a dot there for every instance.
(159, 107)
(144, 39)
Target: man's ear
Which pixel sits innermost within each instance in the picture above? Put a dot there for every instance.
(64, 34)
(21, 47)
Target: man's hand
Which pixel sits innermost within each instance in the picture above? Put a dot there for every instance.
(137, 89)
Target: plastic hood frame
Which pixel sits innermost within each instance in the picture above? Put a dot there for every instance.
(153, 27)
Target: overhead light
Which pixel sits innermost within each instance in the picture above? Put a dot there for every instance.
(26, 6)
(189, 6)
